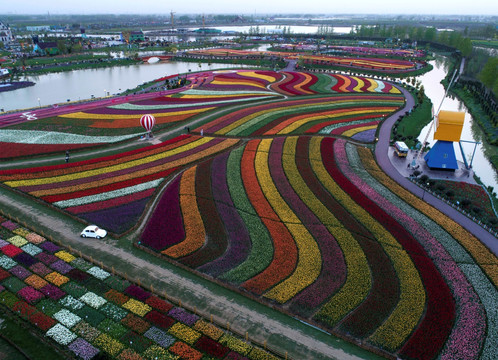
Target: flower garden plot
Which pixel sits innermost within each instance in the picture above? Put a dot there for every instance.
(363, 50)
(113, 191)
(304, 115)
(311, 235)
(119, 324)
(355, 62)
(13, 150)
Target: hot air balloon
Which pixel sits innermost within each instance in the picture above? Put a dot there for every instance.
(148, 121)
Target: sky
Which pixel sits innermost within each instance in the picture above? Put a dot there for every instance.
(438, 7)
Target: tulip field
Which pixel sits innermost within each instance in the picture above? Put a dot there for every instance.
(89, 312)
(274, 194)
(387, 65)
(303, 222)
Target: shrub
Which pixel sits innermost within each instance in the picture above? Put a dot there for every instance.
(465, 202)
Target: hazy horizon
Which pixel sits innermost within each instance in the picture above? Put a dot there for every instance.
(258, 7)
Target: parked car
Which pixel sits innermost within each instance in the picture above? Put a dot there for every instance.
(94, 232)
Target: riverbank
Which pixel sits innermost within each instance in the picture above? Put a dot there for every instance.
(15, 85)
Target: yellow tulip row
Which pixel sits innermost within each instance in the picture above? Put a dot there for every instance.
(487, 260)
(358, 281)
(195, 233)
(309, 259)
(235, 83)
(84, 115)
(118, 166)
(411, 304)
(297, 124)
(357, 130)
(268, 78)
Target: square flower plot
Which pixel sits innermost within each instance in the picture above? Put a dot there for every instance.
(64, 255)
(83, 349)
(25, 259)
(61, 334)
(31, 249)
(71, 303)
(20, 272)
(93, 300)
(35, 238)
(21, 231)
(52, 291)
(11, 250)
(10, 225)
(17, 241)
(137, 307)
(61, 266)
(35, 281)
(67, 318)
(56, 278)
(30, 295)
(47, 258)
(40, 269)
(49, 246)
(98, 273)
(6, 262)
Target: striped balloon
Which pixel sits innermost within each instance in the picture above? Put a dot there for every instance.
(147, 122)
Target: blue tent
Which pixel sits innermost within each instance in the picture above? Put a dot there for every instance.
(442, 156)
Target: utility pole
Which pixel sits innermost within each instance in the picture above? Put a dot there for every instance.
(172, 19)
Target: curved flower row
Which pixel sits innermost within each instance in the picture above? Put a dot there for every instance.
(300, 83)
(101, 189)
(343, 253)
(370, 63)
(323, 114)
(465, 275)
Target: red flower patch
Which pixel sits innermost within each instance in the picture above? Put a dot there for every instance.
(11, 250)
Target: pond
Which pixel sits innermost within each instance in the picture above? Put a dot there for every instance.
(83, 84)
(471, 130)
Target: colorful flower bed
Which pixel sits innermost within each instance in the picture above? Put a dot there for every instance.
(123, 321)
(355, 62)
(292, 221)
(114, 187)
(310, 115)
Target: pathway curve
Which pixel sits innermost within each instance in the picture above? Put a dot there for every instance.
(384, 161)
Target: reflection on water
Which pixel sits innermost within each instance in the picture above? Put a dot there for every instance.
(471, 130)
(83, 84)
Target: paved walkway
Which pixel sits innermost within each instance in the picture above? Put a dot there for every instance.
(385, 159)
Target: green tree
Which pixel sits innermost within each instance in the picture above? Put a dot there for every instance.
(61, 46)
(420, 95)
(489, 74)
(465, 46)
(430, 34)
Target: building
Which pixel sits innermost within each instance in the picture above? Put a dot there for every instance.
(38, 28)
(5, 34)
(132, 36)
(46, 48)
